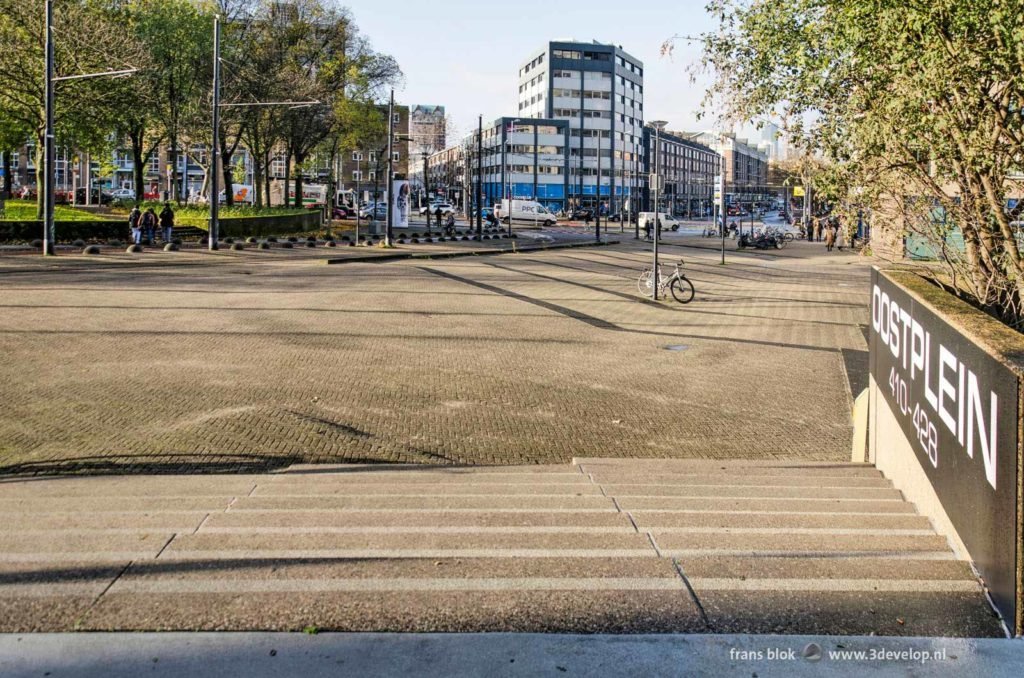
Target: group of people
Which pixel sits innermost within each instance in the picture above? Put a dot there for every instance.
(143, 225)
(830, 230)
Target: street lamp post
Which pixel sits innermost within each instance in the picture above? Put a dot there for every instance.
(658, 125)
(388, 233)
(479, 178)
(597, 189)
(49, 154)
(215, 151)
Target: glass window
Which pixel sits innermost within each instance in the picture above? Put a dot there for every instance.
(357, 156)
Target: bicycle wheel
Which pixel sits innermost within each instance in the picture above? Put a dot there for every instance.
(788, 237)
(644, 283)
(682, 290)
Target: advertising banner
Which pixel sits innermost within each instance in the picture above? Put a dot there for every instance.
(400, 205)
(958, 406)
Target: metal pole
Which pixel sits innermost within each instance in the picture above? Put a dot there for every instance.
(506, 192)
(391, 173)
(48, 177)
(479, 178)
(721, 196)
(597, 189)
(359, 190)
(657, 214)
(214, 165)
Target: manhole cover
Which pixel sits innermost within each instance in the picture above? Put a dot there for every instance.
(676, 347)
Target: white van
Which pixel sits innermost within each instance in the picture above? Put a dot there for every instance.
(526, 212)
(668, 222)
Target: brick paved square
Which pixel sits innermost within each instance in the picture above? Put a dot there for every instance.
(235, 363)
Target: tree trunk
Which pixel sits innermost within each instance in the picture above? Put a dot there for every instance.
(8, 179)
(39, 177)
(172, 156)
(257, 180)
(137, 162)
(226, 171)
(287, 177)
(298, 180)
(266, 177)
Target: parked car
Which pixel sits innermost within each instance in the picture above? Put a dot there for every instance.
(98, 197)
(122, 194)
(431, 208)
(342, 212)
(379, 211)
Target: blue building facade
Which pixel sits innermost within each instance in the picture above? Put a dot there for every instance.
(598, 90)
(526, 159)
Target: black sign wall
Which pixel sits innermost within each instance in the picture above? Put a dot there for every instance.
(958, 406)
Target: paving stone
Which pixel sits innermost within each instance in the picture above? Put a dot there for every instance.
(424, 543)
(424, 490)
(672, 543)
(114, 504)
(763, 504)
(69, 546)
(744, 491)
(292, 381)
(431, 503)
(823, 568)
(174, 521)
(861, 613)
(661, 520)
(369, 520)
(538, 611)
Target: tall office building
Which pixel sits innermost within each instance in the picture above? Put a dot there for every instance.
(599, 89)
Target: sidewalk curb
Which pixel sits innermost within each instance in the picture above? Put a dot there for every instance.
(468, 253)
(454, 655)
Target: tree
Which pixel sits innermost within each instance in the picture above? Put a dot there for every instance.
(88, 37)
(175, 86)
(918, 103)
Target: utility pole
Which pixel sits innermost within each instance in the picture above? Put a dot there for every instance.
(391, 173)
(658, 125)
(597, 187)
(721, 193)
(479, 178)
(48, 178)
(215, 152)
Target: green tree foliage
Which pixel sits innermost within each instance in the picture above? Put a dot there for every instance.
(88, 37)
(918, 102)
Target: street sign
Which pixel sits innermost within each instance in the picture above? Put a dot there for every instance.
(655, 182)
(798, 191)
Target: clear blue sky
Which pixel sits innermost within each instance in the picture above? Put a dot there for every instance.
(465, 54)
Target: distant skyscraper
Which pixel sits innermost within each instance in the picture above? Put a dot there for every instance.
(599, 90)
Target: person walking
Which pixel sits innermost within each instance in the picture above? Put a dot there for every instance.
(134, 217)
(438, 213)
(167, 222)
(149, 222)
(830, 238)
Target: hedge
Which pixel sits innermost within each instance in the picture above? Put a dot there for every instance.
(65, 231)
(236, 227)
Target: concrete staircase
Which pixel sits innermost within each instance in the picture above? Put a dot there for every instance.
(619, 545)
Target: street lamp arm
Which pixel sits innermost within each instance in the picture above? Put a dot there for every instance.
(104, 74)
(292, 104)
